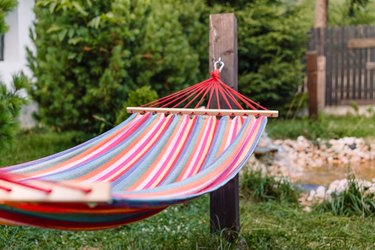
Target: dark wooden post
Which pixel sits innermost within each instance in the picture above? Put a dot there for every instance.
(224, 203)
(312, 83)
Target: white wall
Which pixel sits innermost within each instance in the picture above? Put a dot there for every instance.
(16, 40)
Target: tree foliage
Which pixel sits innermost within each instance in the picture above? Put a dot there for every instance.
(91, 54)
(271, 44)
(136, 98)
(5, 7)
(11, 102)
(351, 12)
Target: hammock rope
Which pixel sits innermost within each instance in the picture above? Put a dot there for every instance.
(167, 152)
(214, 88)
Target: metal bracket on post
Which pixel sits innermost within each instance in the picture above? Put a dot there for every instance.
(224, 203)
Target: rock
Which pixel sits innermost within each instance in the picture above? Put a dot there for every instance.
(265, 150)
(291, 158)
(337, 186)
(311, 195)
(307, 209)
(265, 146)
(320, 192)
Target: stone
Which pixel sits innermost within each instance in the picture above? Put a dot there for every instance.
(320, 192)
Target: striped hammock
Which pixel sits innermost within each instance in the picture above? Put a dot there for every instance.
(152, 160)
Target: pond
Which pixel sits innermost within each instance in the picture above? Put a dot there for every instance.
(323, 176)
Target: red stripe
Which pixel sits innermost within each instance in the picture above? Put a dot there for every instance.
(139, 157)
(59, 224)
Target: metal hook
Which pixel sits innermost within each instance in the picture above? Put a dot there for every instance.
(219, 61)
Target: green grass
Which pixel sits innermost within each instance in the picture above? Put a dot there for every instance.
(267, 225)
(258, 187)
(353, 201)
(264, 225)
(326, 126)
(277, 226)
(34, 144)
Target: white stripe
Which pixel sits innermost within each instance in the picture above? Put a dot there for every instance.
(165, 156)
(80, 160)
(129, 153)
(195, 156)
(231, 131)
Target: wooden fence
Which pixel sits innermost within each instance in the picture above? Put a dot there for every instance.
(349, 63)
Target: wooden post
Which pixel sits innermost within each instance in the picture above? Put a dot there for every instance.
(312, 74)
(321, 81)
(224, 203)
(320, 23)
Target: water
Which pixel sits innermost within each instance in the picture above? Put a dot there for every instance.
(325, 175)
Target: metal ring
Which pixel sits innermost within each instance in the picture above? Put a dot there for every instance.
(219, 61)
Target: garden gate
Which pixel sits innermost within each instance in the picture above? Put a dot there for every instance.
(349, 63)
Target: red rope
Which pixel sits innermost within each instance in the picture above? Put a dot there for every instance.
(6, 189)
(44, 190)
(212, 90)
(8, 178)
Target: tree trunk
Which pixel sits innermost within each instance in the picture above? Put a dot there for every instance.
(321, 14)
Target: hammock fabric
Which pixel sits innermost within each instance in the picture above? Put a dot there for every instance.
(151, 160)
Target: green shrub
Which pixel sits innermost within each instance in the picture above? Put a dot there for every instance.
(351, 12)
(5, 7)
(90, 54)
(259, 187)
(271, 45)
(352, 201)
(11, 103)
(136, 98)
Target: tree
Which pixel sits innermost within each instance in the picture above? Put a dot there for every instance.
(321, 14)
(91, 54)
(5, 7)
(356, 5)
(11, 102)
(271, 43)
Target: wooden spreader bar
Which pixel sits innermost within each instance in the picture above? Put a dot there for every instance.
(43, 191)
(216, 112)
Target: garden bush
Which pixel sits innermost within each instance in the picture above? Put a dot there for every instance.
(91, 54)
(271, 45)
(136, 98)
(11, 102)
(5, 7)
(351, 12)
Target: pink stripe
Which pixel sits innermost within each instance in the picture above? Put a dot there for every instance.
(200, 152)
(168, 158)
(234, 134)
(135, 153)
(124, 134)
(233, 164)
(209, 184)
(120, 139)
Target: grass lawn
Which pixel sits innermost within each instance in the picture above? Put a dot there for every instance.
(266, 225)
(328, 127)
